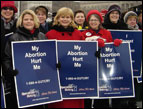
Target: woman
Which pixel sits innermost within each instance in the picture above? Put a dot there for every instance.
(80, 19)
(130, 19)
(113, 19)
(8, 21)
(97, 33)
(42, 14)
(95, 20)
(8, 10)
(28, 29)
(8, 27)
(64, 28)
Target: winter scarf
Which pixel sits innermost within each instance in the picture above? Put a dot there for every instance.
(133, 28)
(8, 25)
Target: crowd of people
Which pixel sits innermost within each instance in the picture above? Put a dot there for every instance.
(66, 25)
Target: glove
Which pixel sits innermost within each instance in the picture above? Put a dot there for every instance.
(97, 53)
(101, 43)
(58, 65)
(117, 42)
(12, 72)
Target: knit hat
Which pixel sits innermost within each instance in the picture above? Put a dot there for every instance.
(114, 8)
(103, 12)
(9, 4)
(130, 13)
(94, 12)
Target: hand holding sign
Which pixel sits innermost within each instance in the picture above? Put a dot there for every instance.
(117, 42)
(10, 72)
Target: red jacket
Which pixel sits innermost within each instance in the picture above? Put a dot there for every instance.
(102, 33)
(75, 35)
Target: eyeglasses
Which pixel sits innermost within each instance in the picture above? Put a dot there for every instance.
(6, 8)
(94, 20)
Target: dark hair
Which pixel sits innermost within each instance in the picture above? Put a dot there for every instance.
(41, 7)
(79, 11)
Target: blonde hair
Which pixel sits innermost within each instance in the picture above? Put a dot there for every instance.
(132, 17)
(64, 12)
(20, 20)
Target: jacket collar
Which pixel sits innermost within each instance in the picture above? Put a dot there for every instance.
(99, 32)
(26, 32)
(62, 29)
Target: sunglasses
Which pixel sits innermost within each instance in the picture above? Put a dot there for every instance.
(6, 8)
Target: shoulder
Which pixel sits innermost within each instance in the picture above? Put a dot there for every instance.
(51, 34)
(14, 37)
(42, 35)
(105, 30)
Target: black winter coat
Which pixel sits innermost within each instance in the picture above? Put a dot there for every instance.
(12, 29)
(2, 39)
(21, 35)
(120, 25)
(44, 29)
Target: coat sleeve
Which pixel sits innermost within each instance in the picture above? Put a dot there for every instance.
(7, 59)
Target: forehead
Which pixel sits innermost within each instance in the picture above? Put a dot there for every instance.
(41, 12)
(80, 13)
(12, 9)
(27, 15)
(93, 16)
(114, 11)
(64, 15)
(132, 17)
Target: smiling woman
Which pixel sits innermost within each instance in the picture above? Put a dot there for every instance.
(65, 29)
(27, 29)
(8, 10)
(28, 20)
(113, 19)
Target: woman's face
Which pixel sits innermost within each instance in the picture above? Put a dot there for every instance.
(28, 22)
(41, 16)
(79, 18)
(114, 16)
(132, 21)
(7, 13)
(94, 22)
(65, 20)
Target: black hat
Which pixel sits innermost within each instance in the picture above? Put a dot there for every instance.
(114, 8)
